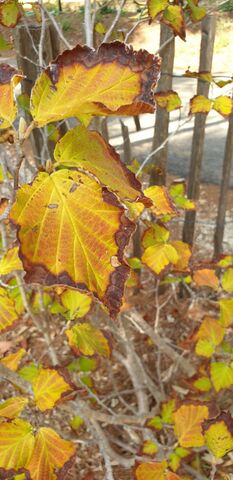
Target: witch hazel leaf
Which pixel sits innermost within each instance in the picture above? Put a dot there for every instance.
(77, 304)
(149, 448)
(158, 253)
(8, 314)
(223, 105)
(49, 387)
(200, 104)
(218, 433)
(9, 13)
(226, 311)
(209, 335)
(227, 280)
(173, 16)
(9, 78)
(169, 100)
(184, 251)
(151, 471)
(88, 340)
(177, 190)
(12, 407)
(206, 277)
(88, 150)
(162, 202)
(155, 7)
(82, 82)
(221, 375)
(87, 232)
(196, 13)
(10, 262)
(16, 445)
(13, 360)
(188, 421)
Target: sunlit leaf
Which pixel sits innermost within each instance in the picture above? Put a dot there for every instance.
(155, 422)
(169, 100)
(51, 453)
(206, 277)
(225, 261)
(100, 28)
(13, 360)
(156, 6)
(184, 251)
(12, 407)
(88, 150)
(9, 78)
(9, 13)
(72, 233)
(173, 16)
(221, 375)
(29, 373)
(196, 13)
(218, 435)
(167, 413)
(50, 386)
(209, 335)
(204, 75)
(203, 384)
(188, 420)
(200, 104)
(8, 314)
(53, 133)
(223, 105)
(10, 262)
(77, 304)
(151, 471)
(158, 253)
(149, 448)
(162, 202)
(227, 280)
(177, 190)
(88, 340)
(16, 444)
(226, 311)
(135, 209)
(83, 82)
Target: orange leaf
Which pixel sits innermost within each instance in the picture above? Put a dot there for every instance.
(12, 407)
(8, 314)
(88, 150)
(83, 82)
(200, 104)
(188, 420)
(151, 471)
(87, 233)
(162, 202)
(205, 277)
(49, 386)
(9, 78)
(13, 360)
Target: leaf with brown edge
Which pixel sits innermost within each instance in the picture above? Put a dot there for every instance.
(151, 471)
(184, 251)
(200, 104)
(155, 7)
(88, 150)
(218, 433)
(82, 82)
(10, 262)
(162, 202)
(87, 232)
(16, 445)
(88, 340)
(188, 421)
(169, 100)
(223, 105)
(209, 335)
(206, 277)
(52, 456)
(13, 360)
(12, 407)
(173, 16)
(9, 13)
(9, 78)
(8, 314)
(158, 253)
(50, 386)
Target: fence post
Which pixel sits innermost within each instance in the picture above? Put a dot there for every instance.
(27, 39)
(222, 204)
(206, 57)
(159, 160)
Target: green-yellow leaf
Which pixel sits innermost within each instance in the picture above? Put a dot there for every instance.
(226, 311)
(227, 280)
(16, 444)
(218, 435)
(13, 360)
(77, 304)
(88, 340)
(12, 407)
(156, 6)
(8, 314)
(200, 104)
(9, 13)
(9, 78)
(10, 262)
(169, 100)
(221, 375)
(223, 105)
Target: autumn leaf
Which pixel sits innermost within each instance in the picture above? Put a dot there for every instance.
(151, 471)
(149, 448)
(156, 6)
(188, 420)
(200, 104)
(87, 233)
(203, 384)
(9, 13)
(13, 360)
(223, 105)
(88, 150)
(218, 434)
(173, 16)
(206, 277)
(162, 202)
(203, 75)
(158, 253)
(169, 100)
(9, 78)
(221, 375)
(177, 190)
(88, 340)
(77, 304)
(12, 407)
(10, 262)
(226, 311)
(184, 251)
(167, 413)
(209, 335)
(82, 82)
(196, 13)
(50, 386)
(227, 280)
(8, 314)
(16, 444)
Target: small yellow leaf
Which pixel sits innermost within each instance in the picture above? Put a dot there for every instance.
(227, 280)
(9, 13)
(77, 304)
(188, 421)
(167, 413)
(100, 28)
(218, 435)
(88, 340)
(203, 384)
(200, 104)
(158, 253)
(184, 251)
(169, 100)
(223, 105)
(8, 314)
(149, 448)
(221, 375)
(162, 202)
(16, 444)
(156, 6)
(50, 386)
(10, 262)
(173, 16)
(12, 407)
(177, 191)
(226, 311)
(13, 360)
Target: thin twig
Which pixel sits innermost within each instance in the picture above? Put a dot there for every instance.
(115, 21)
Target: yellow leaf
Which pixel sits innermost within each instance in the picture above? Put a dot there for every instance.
(226, 311)
(88, 340)
(88, 150)
(12, 407)
(162, 202)
(10, 262)
(227, 280)
(203, 384)
(200, 104)
(73, 233)
(169, 100)
(173, 17)
(188, 421)
(177, 191)
(218, 435)
(9, 78)
(8, 314)
(209, 335)
(221, 375)
(158, 253)
(16, 444)
(223, 105)
(184, 251)
(149, 448)
(9, 13)
(167, 412)
(50, 454)
(156, 6)
(50, 386)
(205, 277)
(196, 13)
(77, 304)
(13, 360)
(135, 209)
(84, 82)
(100, 28)
(151, 471)
(204, 348)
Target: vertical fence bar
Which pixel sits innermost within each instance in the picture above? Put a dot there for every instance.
(222, 204)
(206, 57)
(159, 160)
